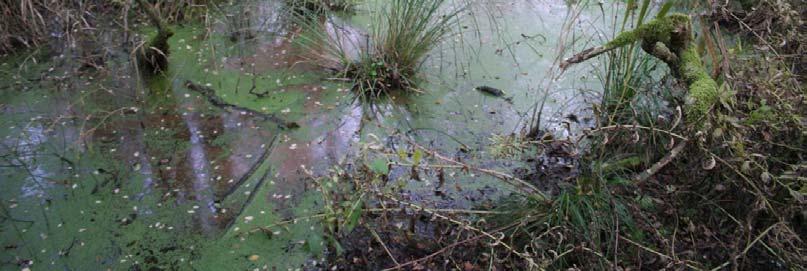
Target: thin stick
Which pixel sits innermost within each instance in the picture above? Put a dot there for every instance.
(386, 249)
(656, 252)
(585, 55)
(441, 251)
(747, 248)
(641, 177)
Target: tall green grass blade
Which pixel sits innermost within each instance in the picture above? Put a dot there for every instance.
(664, 9)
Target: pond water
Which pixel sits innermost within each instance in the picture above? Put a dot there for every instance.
(109, 170)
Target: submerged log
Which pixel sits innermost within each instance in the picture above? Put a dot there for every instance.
(215, 100)
(154, 55)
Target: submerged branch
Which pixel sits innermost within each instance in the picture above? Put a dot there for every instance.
(211, 97)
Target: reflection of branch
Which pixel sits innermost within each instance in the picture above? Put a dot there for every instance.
(249, 172)
(211, 97)
(255, 189)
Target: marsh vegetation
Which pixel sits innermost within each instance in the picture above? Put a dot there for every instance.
(403, 135)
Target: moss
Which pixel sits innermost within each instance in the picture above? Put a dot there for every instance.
(623, 39)
(671, 36)
(702, 88)
(658, 30)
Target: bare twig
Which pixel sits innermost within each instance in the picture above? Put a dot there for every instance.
(641, 177)
(386, 249)
(585, 55)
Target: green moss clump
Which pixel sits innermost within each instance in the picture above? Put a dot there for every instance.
(665, 30)
(702, 88)
(670, 39)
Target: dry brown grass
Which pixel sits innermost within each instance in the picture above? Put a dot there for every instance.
(32, 23)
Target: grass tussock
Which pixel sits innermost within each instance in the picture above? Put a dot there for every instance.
(404, 32)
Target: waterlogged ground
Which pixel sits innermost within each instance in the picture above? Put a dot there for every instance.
(104, 169)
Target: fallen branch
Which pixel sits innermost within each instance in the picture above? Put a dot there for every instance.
(215, 100)
(585, 55)
(641, 177)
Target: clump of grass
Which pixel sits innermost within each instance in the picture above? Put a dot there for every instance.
(402, 35)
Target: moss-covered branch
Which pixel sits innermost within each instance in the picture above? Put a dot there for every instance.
(154, 55)
(670, 40)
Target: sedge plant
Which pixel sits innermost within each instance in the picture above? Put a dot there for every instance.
(390, 56)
